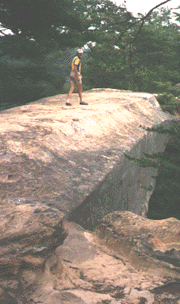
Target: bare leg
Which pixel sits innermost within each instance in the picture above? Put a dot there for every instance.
(79, 85)
(80, 94)
(71, 90)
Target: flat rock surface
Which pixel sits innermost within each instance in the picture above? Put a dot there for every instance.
(56, 154)
(76, 247)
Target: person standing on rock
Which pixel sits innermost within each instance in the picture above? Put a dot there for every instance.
(76, 78)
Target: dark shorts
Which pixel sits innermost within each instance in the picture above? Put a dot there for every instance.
(74, 78)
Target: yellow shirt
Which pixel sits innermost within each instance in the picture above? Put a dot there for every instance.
(76, 62)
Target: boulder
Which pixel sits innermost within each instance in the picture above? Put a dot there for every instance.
(112, 265)
(65, 157)
(68, 162)
(148, 244)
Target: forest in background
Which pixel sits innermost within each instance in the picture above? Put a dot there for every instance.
(121, 51)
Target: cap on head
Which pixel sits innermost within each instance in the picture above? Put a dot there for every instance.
(79, 51)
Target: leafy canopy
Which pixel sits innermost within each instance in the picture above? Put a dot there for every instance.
(41, 23)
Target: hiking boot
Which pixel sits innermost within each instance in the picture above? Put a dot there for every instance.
(68, 104)
(83, 103)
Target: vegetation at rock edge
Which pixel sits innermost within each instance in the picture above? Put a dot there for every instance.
(164, 202)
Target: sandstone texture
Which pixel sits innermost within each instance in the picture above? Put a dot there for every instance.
(29, 234)
(154, 243)
(128, 259)
(96, 268)
(28, 231)
(63, 156)
(63, 170)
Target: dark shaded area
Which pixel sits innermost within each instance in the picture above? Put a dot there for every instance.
(165, 200)
(99, 203)
(40, 34)
(169, 287)
(6, 298)
(24, 81)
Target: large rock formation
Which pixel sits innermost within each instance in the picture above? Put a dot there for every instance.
(62, 156)
(58, 162)
(146, 243)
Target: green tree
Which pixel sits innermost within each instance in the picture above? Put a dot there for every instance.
(106, 60)
(43, 27)
(137, 59)
(37, 28)
(156, 51)
(168, 96)
(38, 25)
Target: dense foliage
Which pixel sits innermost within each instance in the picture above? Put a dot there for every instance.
(129, 53)
(165, 200)
(37, 30)
(39, 26)
(168, 96)
(138, 60)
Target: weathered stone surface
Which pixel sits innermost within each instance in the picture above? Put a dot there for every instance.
(95, 270)
(111, 273)
(61, 156)
(76, 247)
(29, 234)
(54, 156)
(153, 244)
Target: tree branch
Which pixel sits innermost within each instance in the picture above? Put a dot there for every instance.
(138, 32)
(141, 20)
(155, 8)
